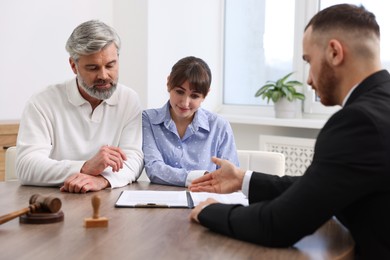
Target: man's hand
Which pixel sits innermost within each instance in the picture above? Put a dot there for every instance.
(226, 179)
(196, 211)
(81, 183)
(107, 156)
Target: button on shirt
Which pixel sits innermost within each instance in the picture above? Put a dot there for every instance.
(172, 160)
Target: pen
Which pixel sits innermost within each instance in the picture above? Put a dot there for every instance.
(151, 205)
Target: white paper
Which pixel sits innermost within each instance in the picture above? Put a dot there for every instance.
(230, 198)
(133, 198)
(139, 198)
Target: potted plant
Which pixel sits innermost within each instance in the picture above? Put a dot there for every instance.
(284, 95)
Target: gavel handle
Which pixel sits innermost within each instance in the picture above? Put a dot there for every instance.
(15, 214)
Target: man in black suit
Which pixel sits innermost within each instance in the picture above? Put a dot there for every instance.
(349, 176)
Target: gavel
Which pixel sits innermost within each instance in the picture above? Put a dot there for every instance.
(38, 203)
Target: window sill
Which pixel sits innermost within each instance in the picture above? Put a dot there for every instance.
(250, 116)
(272, 121)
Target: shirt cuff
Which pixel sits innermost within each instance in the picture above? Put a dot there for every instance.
(192, 175)
(245, 183)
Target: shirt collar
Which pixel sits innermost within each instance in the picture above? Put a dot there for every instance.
(348, 95)
(76, 99)
(164, 116)
(201, 120)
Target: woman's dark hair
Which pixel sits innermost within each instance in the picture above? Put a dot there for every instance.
(193, 69)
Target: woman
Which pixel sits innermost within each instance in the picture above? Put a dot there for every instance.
(180, 138)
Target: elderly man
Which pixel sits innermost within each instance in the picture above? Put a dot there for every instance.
(84, 134)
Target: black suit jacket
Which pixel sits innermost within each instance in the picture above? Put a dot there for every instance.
(349, 178)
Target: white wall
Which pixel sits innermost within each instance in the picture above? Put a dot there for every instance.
(247, 135)
(159, 33)
(176, 29)
(33, 36)
(131, 22)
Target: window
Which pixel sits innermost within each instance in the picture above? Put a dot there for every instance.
(264, 42)
(257, 47)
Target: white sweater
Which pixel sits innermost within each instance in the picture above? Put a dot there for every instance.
(58, 132)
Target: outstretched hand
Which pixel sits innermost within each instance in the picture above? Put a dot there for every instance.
(228, 178)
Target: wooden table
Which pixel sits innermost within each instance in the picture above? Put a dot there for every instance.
(140, 233)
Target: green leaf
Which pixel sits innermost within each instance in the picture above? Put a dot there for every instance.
(274, 90)
(294, 83)
(299, 96)
(286, 77)
(275, 96)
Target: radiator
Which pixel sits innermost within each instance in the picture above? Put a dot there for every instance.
(298, 152)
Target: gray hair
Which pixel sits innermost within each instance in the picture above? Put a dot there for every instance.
(91, 37)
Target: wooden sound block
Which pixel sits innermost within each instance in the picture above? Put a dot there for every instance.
(41, 218)
(95, 222)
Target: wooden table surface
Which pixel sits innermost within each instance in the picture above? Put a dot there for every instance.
(140, 233)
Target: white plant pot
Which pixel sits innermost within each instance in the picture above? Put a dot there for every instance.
(287, 109)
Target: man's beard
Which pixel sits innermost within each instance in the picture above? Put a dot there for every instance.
(327, 85)
(96, 92)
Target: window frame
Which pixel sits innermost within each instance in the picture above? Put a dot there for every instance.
(304, 11)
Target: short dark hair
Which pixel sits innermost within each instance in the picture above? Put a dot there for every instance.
(193, 69)
(347, 17)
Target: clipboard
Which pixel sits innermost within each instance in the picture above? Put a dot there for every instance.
(154, 199)
(173, 199)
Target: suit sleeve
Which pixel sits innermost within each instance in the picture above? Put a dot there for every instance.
(281, 212)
